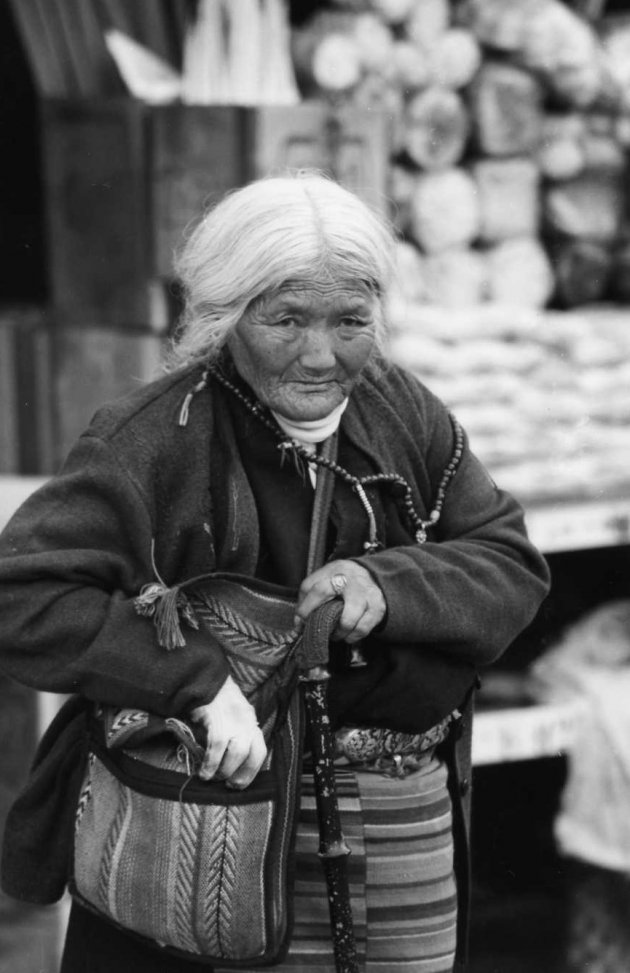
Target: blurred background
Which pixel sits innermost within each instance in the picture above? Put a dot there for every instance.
(494, 134)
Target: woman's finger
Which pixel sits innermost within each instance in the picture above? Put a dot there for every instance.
(330, 581)
(231, 728)
(251, 765)
(353, 611)
(358, 619)
(364, 602)
(318, 595)
(215, 752)
(235, 754)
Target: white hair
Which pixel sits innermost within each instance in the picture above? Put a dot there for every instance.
(272, 231)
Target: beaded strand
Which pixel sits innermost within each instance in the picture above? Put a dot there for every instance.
(358, 484)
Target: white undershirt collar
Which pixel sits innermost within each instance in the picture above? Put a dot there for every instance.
(312, 431)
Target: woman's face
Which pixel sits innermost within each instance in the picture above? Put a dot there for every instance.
(301, 347)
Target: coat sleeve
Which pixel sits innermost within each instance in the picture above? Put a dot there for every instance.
(474, 587)
(72, 560)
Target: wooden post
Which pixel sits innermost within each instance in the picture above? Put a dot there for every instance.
(94, 168)
(27, 415)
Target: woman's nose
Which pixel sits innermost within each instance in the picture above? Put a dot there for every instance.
(317, 350)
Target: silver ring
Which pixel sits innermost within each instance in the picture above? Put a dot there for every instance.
(338, 582)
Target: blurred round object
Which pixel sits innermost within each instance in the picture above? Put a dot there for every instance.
(582, 271)
(410, 66)
(437, 127)
(429, 19)
(566, 49)
(556, 37)
(501, 24)
(444, 210)
(561, 154)
(562, 159)
(336, 63)
(376, 93)
(509, 198)
(617, 48)
(506, 107)
(374, 42)
(455, 59)
(578, 85)
(588, 207)
(603, 152)
(455, 278)
(519, 273)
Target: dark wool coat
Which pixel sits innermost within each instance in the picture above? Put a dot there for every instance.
(143, 495)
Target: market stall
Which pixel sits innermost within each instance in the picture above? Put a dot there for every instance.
(495, 136)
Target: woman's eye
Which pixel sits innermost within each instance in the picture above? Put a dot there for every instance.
(286, 322)
(352, 323)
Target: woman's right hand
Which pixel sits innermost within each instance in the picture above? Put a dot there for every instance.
(235, 746)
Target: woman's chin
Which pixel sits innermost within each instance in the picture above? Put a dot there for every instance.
(309, 408)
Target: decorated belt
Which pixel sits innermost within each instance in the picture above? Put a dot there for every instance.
(390, 751)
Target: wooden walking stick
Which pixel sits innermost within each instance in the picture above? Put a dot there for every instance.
(333, 849)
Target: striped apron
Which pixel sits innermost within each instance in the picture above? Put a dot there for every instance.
(401, 874)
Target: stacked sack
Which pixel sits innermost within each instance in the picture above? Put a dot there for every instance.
(544, 395)
(508, 162)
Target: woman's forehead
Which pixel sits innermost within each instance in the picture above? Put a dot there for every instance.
(308, 289)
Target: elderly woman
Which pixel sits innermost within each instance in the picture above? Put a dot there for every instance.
(281, 345)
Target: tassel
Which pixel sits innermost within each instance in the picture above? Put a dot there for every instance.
(145, 602)
(165, 605)
(169, 632)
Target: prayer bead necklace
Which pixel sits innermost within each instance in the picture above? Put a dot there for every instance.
(357, 483)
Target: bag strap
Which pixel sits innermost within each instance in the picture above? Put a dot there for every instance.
(324, 488)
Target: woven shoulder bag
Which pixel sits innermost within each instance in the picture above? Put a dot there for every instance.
(198, 869)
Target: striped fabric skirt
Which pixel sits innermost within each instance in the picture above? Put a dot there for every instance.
(401, 874)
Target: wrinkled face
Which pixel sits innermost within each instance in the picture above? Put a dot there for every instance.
(301, 348)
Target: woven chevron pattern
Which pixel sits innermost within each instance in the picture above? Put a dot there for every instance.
(259, 655)
(86, 792)
(243, 636)
(124, 723)
(111, 852)
(185, 875)
(221, 884)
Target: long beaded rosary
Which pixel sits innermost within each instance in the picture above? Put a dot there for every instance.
(357, 483)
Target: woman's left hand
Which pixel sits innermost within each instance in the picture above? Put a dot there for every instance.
(364, 602)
